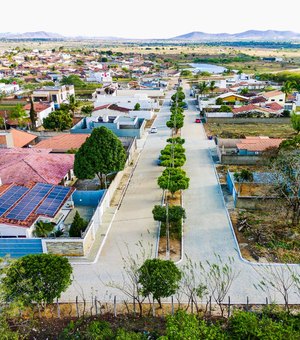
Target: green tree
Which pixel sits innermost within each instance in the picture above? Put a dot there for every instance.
(295, 121)
(173, 179)
(58, 120)
(225, 108)
(178, 96)
(212, 86)
(176, 121)
(159, 278)
(38, 278)
(87, 110)
(18, 113)
(73, 104)
(288, 87)
(244, 91)
(32, 115)
(43, 229)
(137, 107)
(78, 225)
(176, 140)
(219, 101)
(101, 154)
(72, 79)
(176, 213)
(203, 87)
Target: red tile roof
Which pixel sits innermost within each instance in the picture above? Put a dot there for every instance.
(63, 142)
(38, 107)
(274, 106)
(113, 107)
(20, 138)
(258, 143)
(271, 93)
(33, 165)
(245, 108)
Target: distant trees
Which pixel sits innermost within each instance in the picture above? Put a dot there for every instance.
(101, 154)
(58, 120)
(18, 113)
(72, 79)
(38, 278)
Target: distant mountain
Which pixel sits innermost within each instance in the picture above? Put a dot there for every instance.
(247, 35)
(31, 35)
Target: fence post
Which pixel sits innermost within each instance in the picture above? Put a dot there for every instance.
(58, 309)
(192, 307)
(96, 306)
(115, 306)
(228, 306)
(77, 308)
(172, 302)
(210, 306)
(153, 307)
(247, 304)
(134, 310)
(267, 302)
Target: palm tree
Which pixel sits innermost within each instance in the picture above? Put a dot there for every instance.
(212, 86)
(202, 87)
(43, 229)
(288, 87)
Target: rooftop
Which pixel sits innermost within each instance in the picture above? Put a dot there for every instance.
(258, 144)
(63, 142)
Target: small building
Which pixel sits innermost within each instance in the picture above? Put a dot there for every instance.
(56, 94)
(121, 126)
(233, 97)
(274, 96)
(42, 110)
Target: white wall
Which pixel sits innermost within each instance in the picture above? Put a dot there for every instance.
(8, 230)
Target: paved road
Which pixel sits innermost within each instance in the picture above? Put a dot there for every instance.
(207, 229)
(133, 221)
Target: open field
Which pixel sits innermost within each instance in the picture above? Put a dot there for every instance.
(242, 130)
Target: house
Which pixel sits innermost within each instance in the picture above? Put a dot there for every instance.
(25, 165)
(42, 109)
(8, 89)
(16, 138)
(63, 142)
(268, 110)
(115, 110)
(56, 94)
(100, 77)
(233, 97)
(245, 151)
(274, 96)
(121, 126)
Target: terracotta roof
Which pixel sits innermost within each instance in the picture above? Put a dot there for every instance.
(63, 142)
(113, 107)
(271, 93)
(246, 108)
(20, 138)
(258, 143)
(33, 165)
(258, 99)
(274, 106)
(38, 107)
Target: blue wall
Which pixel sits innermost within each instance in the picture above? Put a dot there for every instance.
(18, 247)
(87, 198)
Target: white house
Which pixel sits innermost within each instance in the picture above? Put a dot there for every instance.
(9, 88)
(42, 110)
(274, 97)
(99, 77)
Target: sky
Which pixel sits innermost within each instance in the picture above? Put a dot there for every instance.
(147, 19)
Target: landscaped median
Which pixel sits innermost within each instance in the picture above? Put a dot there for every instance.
(170, 214)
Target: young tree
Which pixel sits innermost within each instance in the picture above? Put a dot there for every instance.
(212, 86)
(295, 121)
(159, 278)
(58, 120)
(176, 121)
(176, 213)
(38, 278)
(78, 225)
(32, 115)
(176, 140)
(203, 87)
(137, 107)
(73, 104)
(18, 113)
(101, 154)
(173, 179)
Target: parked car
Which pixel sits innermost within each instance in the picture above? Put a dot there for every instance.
(197, 120)
(153, 130)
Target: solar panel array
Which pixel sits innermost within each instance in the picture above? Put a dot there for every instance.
(10, 197)
(53, 201)
(29, 202)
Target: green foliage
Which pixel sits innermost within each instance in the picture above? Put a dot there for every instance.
(225, 108)
(243, 176)
(101, 154)
(226, 59)
(99, 330)
(87, 110)
(173, 149)
(290, 144)
(58, 120)
(6, 333)
(173, 179)
(176, 140)
(219, 101)
(73, 104)
(78, 225)
(295, 121)
(169, 162)
(203, 87)
(72, 79)
(43, 229)
(159, 278)
(38, 278)
(176, 121)
(18, 113)
(176, 213)
(122, 334)
(179, 96)
(137, 107)
(186, 73)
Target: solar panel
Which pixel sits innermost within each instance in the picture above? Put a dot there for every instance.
(10, 197)
(53, 201)
(29, 202)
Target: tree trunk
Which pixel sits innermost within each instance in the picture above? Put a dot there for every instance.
(101, 180)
